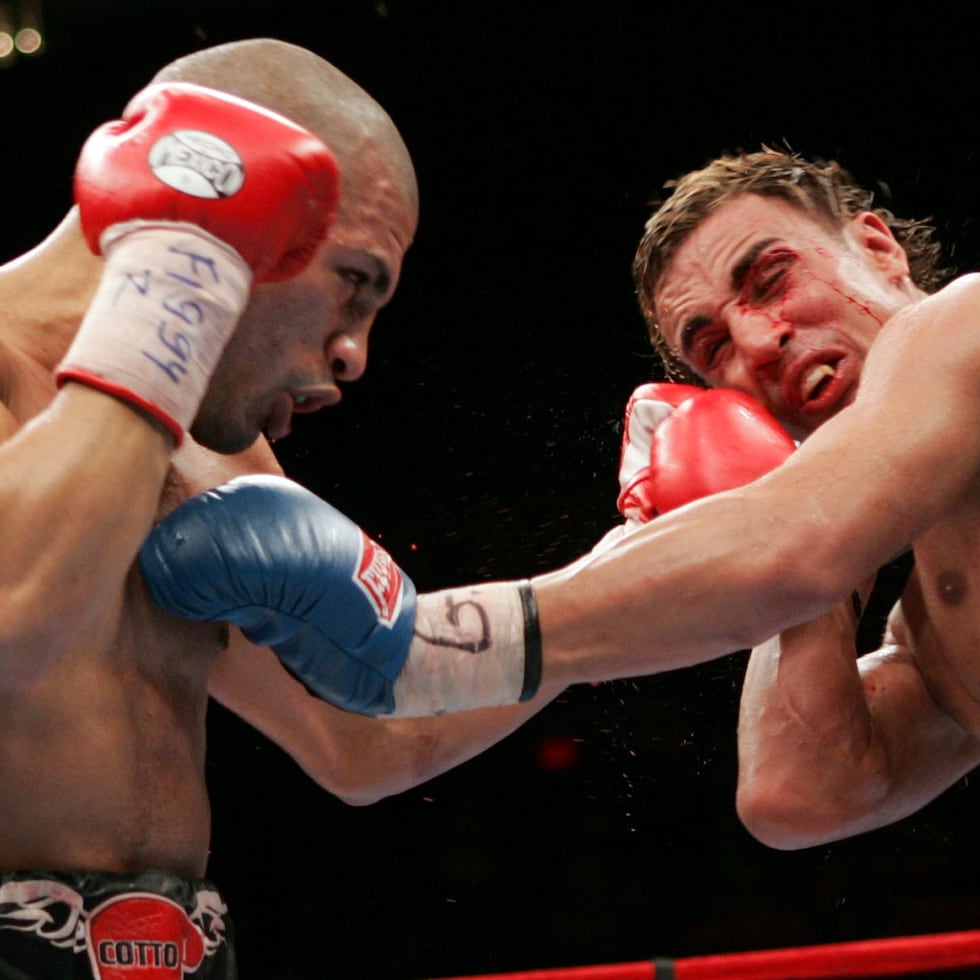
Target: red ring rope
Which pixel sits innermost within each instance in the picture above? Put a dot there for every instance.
(903, 956)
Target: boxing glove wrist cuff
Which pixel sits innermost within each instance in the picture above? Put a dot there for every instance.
(168, 302)
(473, 647)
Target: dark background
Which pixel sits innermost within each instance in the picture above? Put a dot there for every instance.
(484, 442)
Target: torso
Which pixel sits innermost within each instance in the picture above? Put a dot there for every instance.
(941, 611)
(102, 764)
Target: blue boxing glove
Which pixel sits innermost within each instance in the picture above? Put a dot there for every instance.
(296, 575)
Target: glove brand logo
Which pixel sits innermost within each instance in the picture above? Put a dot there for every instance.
(197, 163)
(380, 580)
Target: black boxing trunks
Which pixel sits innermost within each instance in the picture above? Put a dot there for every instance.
(100, 926)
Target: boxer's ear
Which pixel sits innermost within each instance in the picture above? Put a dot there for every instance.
(871, 233)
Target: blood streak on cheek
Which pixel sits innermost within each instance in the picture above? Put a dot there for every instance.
(859, 304)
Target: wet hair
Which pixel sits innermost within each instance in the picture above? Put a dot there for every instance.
(822, 190)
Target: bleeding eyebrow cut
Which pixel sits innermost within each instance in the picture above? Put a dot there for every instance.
(744, 265)
(740, 272)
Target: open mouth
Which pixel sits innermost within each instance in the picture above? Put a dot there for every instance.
(815, 381)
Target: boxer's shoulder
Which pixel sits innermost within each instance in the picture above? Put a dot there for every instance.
(26, 388)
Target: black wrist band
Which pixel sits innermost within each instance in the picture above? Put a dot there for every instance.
(532, 642)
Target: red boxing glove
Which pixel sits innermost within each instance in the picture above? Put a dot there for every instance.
(682, 443)
(184, 153)
(191, 197)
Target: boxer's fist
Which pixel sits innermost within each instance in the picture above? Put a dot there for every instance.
(681, 443)
(184, 153)
(296, 575)
(191, 197)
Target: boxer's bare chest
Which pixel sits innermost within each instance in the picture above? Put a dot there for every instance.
(102, 762)
(941, 609)
(115, 738)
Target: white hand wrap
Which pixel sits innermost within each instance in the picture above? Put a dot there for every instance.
(168, 302)
(474, 647)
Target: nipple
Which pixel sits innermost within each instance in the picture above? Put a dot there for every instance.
(951, 587)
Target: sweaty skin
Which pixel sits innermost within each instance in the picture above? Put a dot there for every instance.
(103, 696)
(102, 761)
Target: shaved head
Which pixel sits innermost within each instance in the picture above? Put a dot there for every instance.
(305, 88)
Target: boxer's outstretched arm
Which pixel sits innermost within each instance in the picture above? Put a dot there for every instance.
(726, 573)
(358, 759)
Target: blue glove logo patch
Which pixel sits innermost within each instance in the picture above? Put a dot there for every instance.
(379, 578)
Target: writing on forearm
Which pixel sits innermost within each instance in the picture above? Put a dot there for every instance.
(465, 626)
